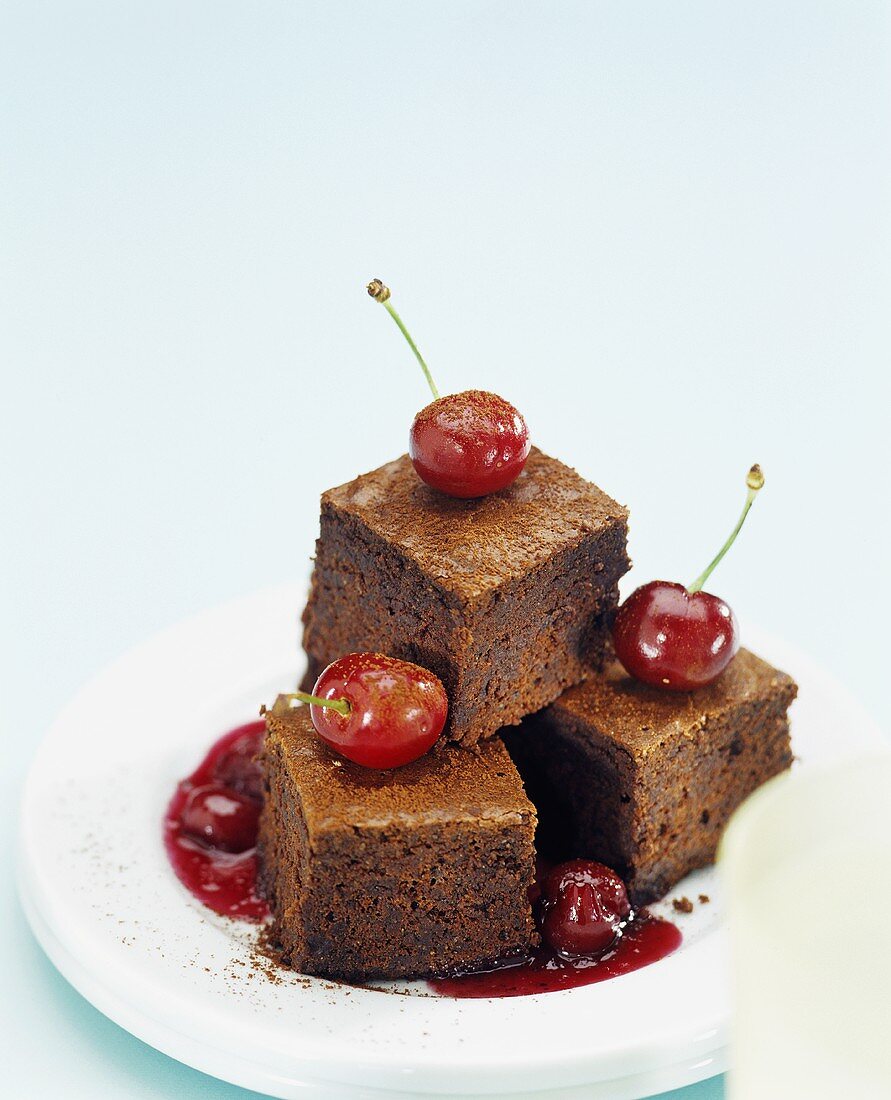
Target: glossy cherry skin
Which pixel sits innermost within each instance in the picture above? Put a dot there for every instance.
(583, 906)
(237, 767)
(469, 444)
(221, 818)
(667, 637)
(397, 709)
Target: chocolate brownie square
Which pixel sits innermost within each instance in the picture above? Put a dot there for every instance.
(643, 779)
(404, 873)
(507, 598)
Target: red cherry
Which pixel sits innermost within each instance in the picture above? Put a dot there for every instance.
(583, 907)
(237, 768)
(681, 638)
(380, 712)
(221, 818)
(674, 639)
(469, 444)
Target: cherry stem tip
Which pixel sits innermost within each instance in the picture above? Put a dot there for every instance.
(755, 478)
(381, 293)
(754, 483)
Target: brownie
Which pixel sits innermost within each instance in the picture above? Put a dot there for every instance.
(643, 779)
(416, 871)
(507, 598)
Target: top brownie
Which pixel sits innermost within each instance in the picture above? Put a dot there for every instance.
(506, 598)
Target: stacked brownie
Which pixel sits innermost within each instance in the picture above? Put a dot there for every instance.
(508, 599)
(644, 780)
(407, 872)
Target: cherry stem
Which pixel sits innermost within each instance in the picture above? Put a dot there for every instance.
(381, 294)
(754, 482)
(342, 706)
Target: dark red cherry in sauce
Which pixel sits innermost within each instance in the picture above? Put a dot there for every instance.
(225, 881)
(237, 767)
(589, 934)
(221, 818)
(583, 907)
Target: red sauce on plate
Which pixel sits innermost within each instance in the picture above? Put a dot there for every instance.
(226, 882)
(644, 940)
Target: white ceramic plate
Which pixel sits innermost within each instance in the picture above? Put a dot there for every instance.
(107, 909)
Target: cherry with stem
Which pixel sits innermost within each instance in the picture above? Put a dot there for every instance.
(375, 710)
(680, 638)
(467, 444)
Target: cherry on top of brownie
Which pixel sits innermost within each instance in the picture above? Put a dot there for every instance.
(478, 786)
(469, 547)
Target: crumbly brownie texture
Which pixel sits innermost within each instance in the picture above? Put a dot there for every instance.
(644, 780)
(403, 873)
(507, 598)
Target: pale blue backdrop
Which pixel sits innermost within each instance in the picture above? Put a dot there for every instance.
(661, 229)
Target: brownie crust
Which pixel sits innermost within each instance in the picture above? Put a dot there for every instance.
(508, 599)
(411, 872)
(644, 780)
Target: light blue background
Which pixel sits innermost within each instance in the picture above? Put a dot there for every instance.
(662, 230)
